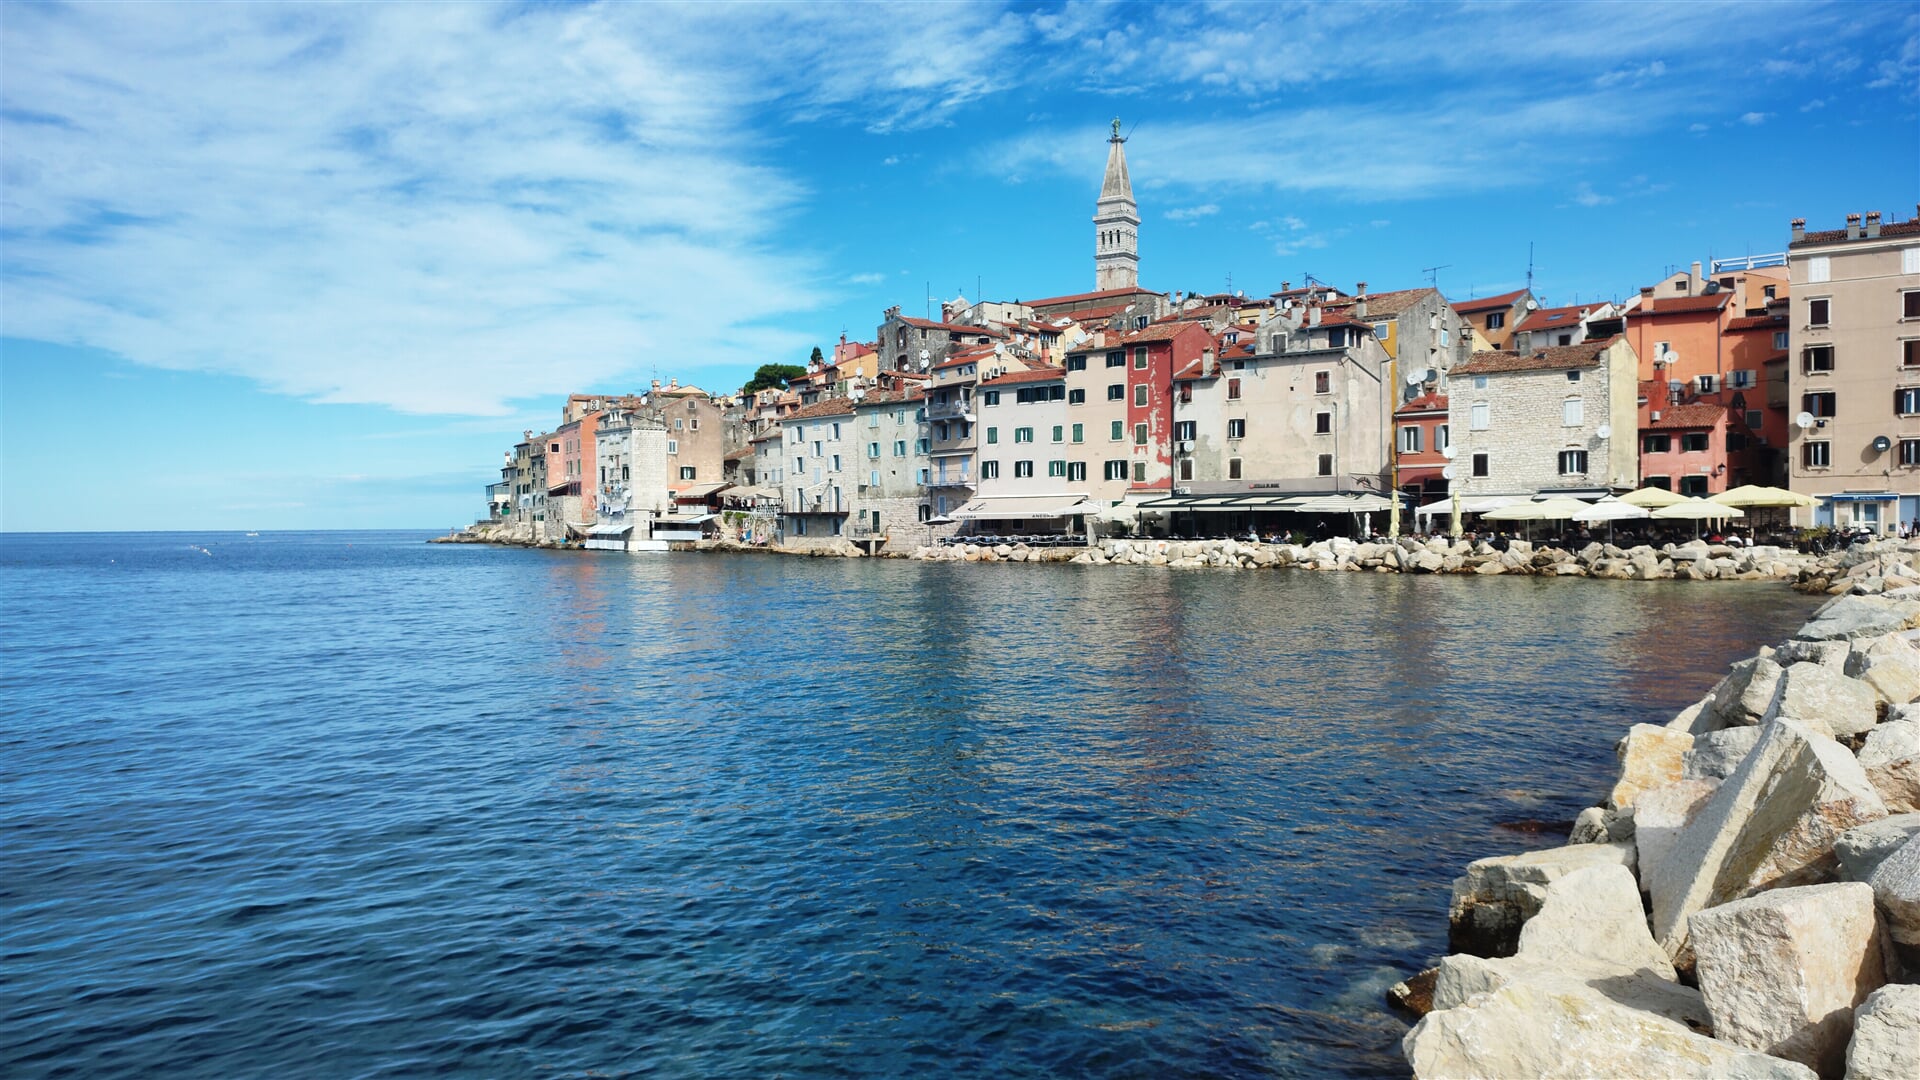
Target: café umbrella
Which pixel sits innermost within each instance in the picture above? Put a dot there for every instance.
(1611, 510)
(1698, 510)
(1558, 508)
(1652, 498)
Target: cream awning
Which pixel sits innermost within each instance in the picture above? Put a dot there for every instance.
(1025, 506)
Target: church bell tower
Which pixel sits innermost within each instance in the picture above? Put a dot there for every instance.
(1116, 223)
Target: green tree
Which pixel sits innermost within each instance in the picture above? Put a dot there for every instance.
(771, 375)
(817, 357)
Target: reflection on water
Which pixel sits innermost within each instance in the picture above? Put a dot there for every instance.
(397, 808)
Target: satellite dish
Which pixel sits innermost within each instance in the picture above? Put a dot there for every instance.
(1531, 306)
(1447, 451)
(924, 354)
(1803, 421)
(1881, 444)
(1605, 431)
(1446, 473)
(1414, 376)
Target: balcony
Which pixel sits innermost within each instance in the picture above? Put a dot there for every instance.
(958, 410)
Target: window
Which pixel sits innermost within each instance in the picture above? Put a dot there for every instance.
(686, 472)
(1410, 438)
(1076, 472)
(1664, 483)
(1442, 437)
(1910, 451)
(1323, 382)
(1140, 358)
(873, 449)
(1496, 320)
(1742, 378)
(1079, 433)
(1076, 397)
(1693, 442)
(1326, 464)
(1233, 468)
(836, 431)
(1573, 462)
(1480, 465)
(1906, 401)
(1237, 429)
(680, 424)
(1780, 340)
(836, 463)
(1910, 260)
(1572, 412)
(1185, 430)
(989, 470)
(1140, 396)
(1076, 363)
(1381, 329)
(673, 446)
(1139, 472)
(1119, 430)
(1117, 392)
(1693, 484)
(1815, 359)
(1478, 417)
(899, 448)
(799, 464)
(1656, 444)
(993, 435)
(1736, 441)
(1059, 433)
(1572, 376)
(1337, 338)
(1323, 423)
(991, 397)
(1114, 470)
(1022, 434)
(1233, 389)
(1819, 404)
(939, 432)
(1819, 311)
(1910, 353)
(923, 446)
(1816, 455)
(1754, 420)
(1116, 359)
(1819, 268)
(1139, 434)
(1479, 382)
(1186, 468)
(873, 479)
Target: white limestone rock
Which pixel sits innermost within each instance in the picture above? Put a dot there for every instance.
(1886, 1035)
(1896, 888)
(1863, 848)
(1747, 692)
(1772, 824)
(1831, 654)
(1697, 718)
(1716, 754)
(1602, 825)
(1823, 699)
(1666, 811)
(1782, 971)
(1891, 758)
(1849, 617)
(1591, 919)
(1497, 895)
(1650, 757)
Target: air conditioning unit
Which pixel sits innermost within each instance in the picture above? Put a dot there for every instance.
(1708, 383)
(1656, 416)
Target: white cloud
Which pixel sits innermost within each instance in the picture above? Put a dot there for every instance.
(867, 279)
(1754, 119)
(1191, 213)
(1586, 196)
(439, 208)
(1697, 129)
(1816, 103)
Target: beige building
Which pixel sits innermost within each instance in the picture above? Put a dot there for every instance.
(1854, 372)
(1559, 419)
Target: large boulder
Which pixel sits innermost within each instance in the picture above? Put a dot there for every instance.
(1771, 825)
(1886, 1035)
(1891, 758)
(1782, 971)
(1716, 754)
(1650, 757)
(1823, 699)
(1747, 692)
(1666, 811)
(1847, 617)
(1896, 888)
(1831, 654)
(1891, 666)
(1496, 896)
(1863, 848)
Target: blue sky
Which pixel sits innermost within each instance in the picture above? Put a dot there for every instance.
(272, 266)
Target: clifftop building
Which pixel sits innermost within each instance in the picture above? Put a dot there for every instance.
(1116, 223)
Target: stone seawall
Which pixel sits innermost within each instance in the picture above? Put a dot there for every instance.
(1745, 898)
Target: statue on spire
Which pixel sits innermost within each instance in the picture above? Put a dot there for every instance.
(1116, 130)
(1116, 221)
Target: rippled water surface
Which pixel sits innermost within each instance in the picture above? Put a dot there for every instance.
(337, 804)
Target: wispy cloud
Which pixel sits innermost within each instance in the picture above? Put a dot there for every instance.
(866, 279)
(1586, 196)
(1754, 119)
(1193, 213)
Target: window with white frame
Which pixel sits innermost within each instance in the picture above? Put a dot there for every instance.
(1113, 470)
(1442, 437)
(1480, 465)
(1906, 401)
(1237, 428)
(1140, 358)
(1819, 311)
(1076, 472)
(1816, 359)
(1139, 434)
(687, 472)
(1573, 412)
(1140, 395)
(1479, 382)
(1326, 465)
(989, 470)
(1478, 416)
(1139, 472)
(1816, 454)
(1819, 268)
(1743, 378)
(1780, 340)
(1233, 468)
(1573, 462)
(1410, 438)
(1910, 452)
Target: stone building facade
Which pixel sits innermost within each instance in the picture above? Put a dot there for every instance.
(1560, 419)
(821, 448)
(889, 500)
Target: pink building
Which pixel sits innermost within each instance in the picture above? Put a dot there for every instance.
(1420, 436)
(1685, 449)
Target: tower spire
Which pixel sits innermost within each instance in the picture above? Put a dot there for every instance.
(1116, 222)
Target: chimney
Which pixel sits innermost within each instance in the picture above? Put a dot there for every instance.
(1693, 279)
(1313, 315)
(1873, 224)
(1800, 228)
(1360, 302)
(1853, 226)
(1287, 286)
(656, 386)
(1208, 365)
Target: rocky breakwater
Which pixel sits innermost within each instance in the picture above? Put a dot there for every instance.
(1697, 561)
(494, 533)
(1744, 902)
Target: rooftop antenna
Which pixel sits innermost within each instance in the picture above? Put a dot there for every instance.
(1529, 266)
(1229, 283)
(1433, 275)
(929, 301)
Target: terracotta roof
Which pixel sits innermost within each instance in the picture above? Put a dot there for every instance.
(1429, 402)
(1552, 318)
(1160, 332)
(1387, 305)
(1038, 374)
(1078, 298)
(893, 397)
(1831, 236)
(1489, 303)
(828, 407)
(738, 455)
(1097, 314)
(1585, 354)
(1757, 322)
(928, 324)
(1689, 416)
(1678, 305)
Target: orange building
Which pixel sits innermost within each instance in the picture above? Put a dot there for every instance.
(1420, 442)
(1496, 317)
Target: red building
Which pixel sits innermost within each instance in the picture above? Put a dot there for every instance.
(1153, 354)
(1420, 437)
